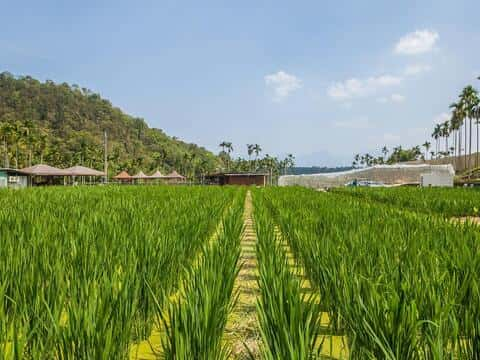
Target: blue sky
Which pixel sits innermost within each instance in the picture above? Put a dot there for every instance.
(320, 79)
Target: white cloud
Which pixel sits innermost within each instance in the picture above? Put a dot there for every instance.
(354, 87)
(416, 69)
(394, 98)
(283, 84)
(441, 118)
(359, 123)
(418, 42)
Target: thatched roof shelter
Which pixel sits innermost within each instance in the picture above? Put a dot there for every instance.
(174, 175)
(84, 171)
(45, 170)
(122, 176)
(140, 175)
(156, 175)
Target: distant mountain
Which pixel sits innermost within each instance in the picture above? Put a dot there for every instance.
(63, 125)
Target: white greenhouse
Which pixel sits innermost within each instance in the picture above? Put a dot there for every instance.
(388, 175)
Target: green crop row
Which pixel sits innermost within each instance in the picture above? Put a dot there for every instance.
(195, 322)
(289, 320)
(82, 270)
(446, 202)
(398, 285)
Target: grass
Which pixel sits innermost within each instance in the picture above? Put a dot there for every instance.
(398, 285)
(89, 272)
(289, 320)
(79, 265)
(446, 202)
(196, 321)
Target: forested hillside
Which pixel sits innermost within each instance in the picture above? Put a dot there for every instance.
(63, 125)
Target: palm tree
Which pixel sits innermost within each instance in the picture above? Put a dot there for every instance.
(356, 160)
(385, 151)
(476, 115)
(459, 115)
(436, 135)
(469, 99)
(367, 159)
(227, 149)
(454, 127)
(223, 145)
(445, 132)
(426, 145)
(289, 162)
(257, 150)
(249, 151)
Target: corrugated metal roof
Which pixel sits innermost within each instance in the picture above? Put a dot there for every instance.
(45, 170)
(10, 170)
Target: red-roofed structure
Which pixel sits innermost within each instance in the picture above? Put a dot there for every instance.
(123, 177)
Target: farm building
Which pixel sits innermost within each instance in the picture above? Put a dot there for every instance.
(399, 174)
(237, 179)
(174, 178)
(43, 174)
(84, 174)
(156, 178)
(436, 179)
(123, 177)
(11, 178)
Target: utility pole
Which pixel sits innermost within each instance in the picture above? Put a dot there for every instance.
(105, 167)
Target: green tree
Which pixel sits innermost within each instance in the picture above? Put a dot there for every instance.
(426, 145)
(257, 150)
(63, 125)
(445, 133)
(436, 135)
(469, 100)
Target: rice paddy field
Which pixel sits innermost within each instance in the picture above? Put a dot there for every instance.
(160, 272)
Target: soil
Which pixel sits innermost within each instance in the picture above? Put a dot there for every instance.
(471, 219)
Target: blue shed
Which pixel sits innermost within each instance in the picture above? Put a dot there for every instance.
(11, 178)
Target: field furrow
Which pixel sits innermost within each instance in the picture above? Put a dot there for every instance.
(242, 327)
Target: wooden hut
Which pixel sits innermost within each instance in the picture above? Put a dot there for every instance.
(123, 177)
(157, 177)
(174, 178)
(84, 172)
(256, 179)
(12, 178)
(43, 174)
(140, 177)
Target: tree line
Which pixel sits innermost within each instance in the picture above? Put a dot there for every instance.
(453, 137)
(268, 164)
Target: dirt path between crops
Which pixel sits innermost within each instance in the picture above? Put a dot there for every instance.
(241, 331)
(463, 219)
